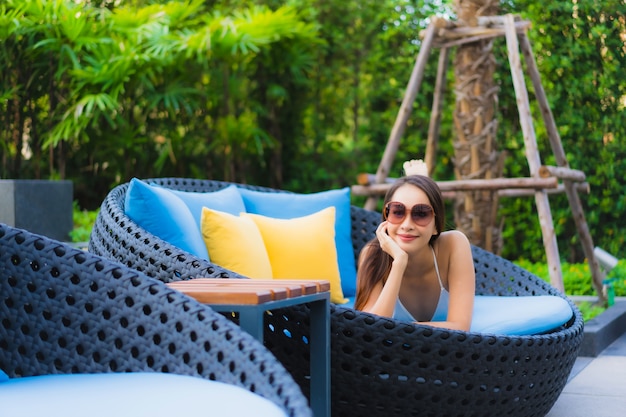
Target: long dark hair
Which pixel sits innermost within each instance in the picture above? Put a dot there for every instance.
(377, 265)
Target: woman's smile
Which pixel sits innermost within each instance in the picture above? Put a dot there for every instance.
(406, 237)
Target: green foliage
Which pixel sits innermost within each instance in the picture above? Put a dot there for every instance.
(579, 49)
(299, 95)
(83, 223)
(617, 278)
(590, 310)
(577, 277)
(160, 89)
(577, 281)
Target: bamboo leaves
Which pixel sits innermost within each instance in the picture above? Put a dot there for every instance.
(137, 73)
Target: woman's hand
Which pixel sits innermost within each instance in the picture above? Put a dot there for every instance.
(388, 245)
(384, 294)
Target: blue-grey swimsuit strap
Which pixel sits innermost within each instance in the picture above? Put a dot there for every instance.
(441, 312)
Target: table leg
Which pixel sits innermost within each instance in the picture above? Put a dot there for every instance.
(251, 320)
(320, 357)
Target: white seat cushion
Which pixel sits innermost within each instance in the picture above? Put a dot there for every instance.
(523, 315)
(129, 394)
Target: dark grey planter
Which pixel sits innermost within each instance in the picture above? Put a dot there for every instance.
(40, 206)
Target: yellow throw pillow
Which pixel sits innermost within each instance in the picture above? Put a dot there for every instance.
(235, 243)
(302, 248)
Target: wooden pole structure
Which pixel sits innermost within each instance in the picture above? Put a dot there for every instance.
(435, 119)
(561, 158)
(532, 155)
(405, 110)
(469, 185)
(563, 173)
(543, 179)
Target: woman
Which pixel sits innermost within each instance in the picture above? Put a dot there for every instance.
(413, 270)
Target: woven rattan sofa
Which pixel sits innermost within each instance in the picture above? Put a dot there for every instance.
(380, 366)
(67, 311)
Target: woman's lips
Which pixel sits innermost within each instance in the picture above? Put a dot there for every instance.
(407, 238)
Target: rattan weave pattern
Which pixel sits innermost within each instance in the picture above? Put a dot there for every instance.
(63, 310)
(381, 366)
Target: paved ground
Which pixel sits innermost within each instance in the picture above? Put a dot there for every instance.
(597, 386)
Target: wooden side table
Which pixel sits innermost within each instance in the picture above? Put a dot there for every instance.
(252, 297)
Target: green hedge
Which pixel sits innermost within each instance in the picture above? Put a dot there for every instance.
(83, 223)
(577, 281)
(577, 277)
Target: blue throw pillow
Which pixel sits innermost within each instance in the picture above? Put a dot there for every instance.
(227, 200)
(165, 215)
(3, 377)
(290, 205)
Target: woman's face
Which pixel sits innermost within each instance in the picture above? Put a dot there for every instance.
(409, 233)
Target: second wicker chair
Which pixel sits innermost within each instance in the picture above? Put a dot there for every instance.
(381, 366)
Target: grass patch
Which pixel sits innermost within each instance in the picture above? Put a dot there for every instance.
(590, 309)
(83, 223)
(577, 281)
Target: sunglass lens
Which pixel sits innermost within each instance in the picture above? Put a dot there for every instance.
(421, 214)
(396, 212)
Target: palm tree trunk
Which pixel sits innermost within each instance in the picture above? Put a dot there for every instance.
(476, 154)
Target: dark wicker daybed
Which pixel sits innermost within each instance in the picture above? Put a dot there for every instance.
(381, 366)
(67, 311)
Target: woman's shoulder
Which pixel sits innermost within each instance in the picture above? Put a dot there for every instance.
(455, 247)
(454, 234)
(453, 239)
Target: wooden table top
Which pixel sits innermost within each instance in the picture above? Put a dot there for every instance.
(247, 291)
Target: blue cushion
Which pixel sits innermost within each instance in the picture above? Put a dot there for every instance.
(129, 394)
(522, 315)
(226, 200)
(350, 302)
(290, 205)
(3, 377)
(165, 215)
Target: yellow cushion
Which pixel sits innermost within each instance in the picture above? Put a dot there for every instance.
(235, 243)
(302, 248)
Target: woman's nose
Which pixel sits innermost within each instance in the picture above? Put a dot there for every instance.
(407, 223)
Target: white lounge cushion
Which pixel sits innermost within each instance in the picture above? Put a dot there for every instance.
(129, 394)
(523, 315)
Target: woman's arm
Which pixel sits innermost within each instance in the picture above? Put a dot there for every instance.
(382, 299)
(461, 281)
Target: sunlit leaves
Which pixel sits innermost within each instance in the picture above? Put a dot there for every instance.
(86, 106)
(176, 96)
(246, 31)
(132, 52)
(579, 53)
(302, 93)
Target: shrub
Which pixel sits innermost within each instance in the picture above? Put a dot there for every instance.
(577, 281)
(618, 278)
(83, 223)
(576, 277)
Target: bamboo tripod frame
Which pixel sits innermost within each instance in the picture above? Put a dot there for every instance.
(543, 179)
